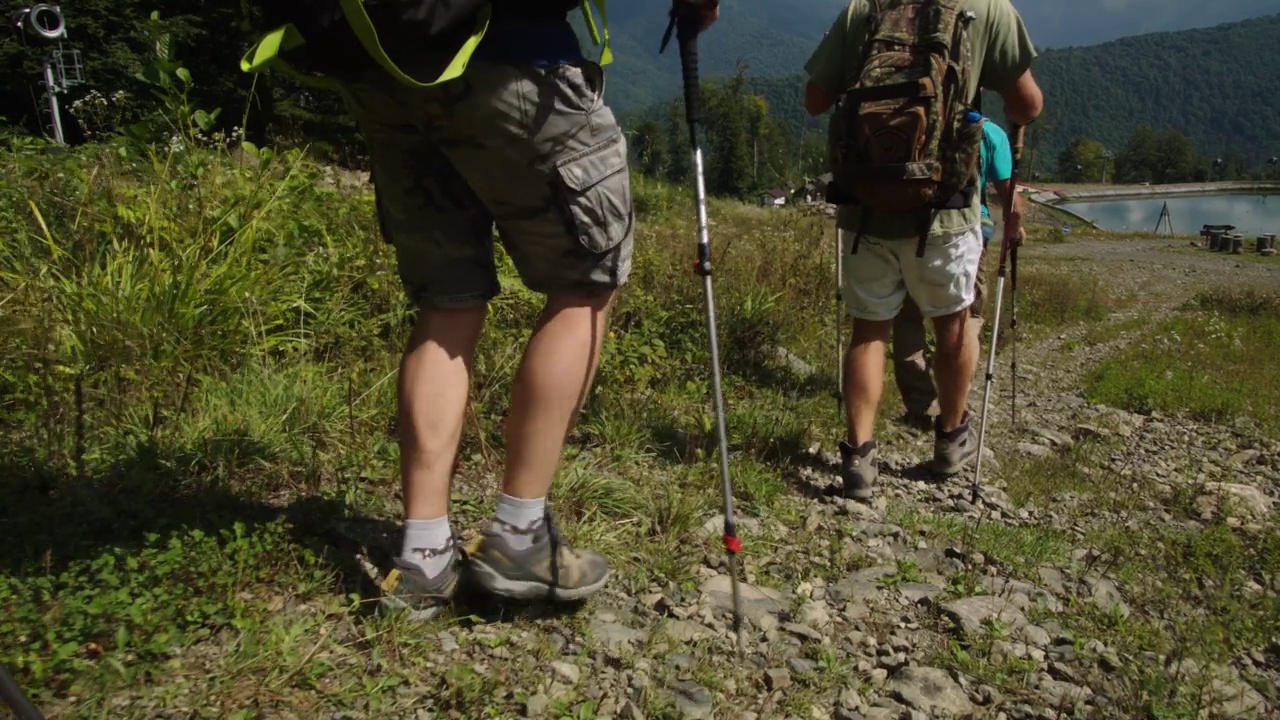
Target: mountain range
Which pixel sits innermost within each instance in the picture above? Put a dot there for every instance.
(776, 37)
(1217, 84)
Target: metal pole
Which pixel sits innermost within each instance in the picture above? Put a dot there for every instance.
(51, 87)
(13, 696)
(685, 21)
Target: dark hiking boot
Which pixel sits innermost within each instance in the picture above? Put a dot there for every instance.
(408, 589)
(953, 450)
(916, 420)
(548, 568)
(859, 468)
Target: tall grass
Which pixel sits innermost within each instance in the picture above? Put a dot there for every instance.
(1209, 361)
(190, 340)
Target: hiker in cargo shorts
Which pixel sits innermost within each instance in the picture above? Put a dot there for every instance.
(877, 281)
(522, 141)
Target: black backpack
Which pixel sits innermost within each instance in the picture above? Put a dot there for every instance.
(322, 42)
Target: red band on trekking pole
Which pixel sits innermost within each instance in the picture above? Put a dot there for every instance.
(733, 543)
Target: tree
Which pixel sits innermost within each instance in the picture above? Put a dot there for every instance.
(1081, 161)
(650, 146)
(1134, 163)
(1174, 159)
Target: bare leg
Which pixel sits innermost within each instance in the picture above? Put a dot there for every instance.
(956, 361)
(435, 380)
(864, 378)
(555, 375)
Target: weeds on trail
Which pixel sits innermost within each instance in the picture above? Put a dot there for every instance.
(1049, 299)
(1208, 361)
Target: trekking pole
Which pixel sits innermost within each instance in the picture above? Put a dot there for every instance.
(686, 21)
(1008, 251)
(839, 318)
(12, 696)
(1016, 143)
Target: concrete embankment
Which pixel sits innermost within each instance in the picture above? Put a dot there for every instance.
(1067, 193)
(1060, 198)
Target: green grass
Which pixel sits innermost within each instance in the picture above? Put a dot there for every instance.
(1207, 361)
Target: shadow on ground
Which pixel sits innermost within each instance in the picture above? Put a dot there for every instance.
(50, 520)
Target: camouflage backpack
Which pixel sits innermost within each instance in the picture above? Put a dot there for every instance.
(900, 138)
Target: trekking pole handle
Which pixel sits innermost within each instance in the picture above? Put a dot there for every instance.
(1016, 139)
(686, 20)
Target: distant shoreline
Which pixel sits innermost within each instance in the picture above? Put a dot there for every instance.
(1060, 197)
(1064, 193)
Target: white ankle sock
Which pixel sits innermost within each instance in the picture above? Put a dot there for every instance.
(521, 513)
(423, 536)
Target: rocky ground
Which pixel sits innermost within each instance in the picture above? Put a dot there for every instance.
(1108, 565)
(929, 625)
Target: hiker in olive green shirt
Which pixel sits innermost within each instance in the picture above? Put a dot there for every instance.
(878, 278)
(523, 141)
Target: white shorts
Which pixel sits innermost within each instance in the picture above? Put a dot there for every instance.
(876, 280)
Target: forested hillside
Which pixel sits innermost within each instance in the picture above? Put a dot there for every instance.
(1217, 86)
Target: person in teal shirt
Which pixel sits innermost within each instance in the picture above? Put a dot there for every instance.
(997, 168)
(911, 360)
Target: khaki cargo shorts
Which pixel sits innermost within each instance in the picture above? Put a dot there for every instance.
(534, 151)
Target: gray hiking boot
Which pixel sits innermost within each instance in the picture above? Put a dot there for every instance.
(548, 568)
(408, 589)
(953, 450)
(859, 468)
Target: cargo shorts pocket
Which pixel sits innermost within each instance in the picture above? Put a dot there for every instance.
(596, 194)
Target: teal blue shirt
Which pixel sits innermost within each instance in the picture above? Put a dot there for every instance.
(996, 158)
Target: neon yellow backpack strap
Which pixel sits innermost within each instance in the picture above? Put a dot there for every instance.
(368, 35)
(606, 54)
(268, 54)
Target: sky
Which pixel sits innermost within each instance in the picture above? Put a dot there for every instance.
(1062, 23)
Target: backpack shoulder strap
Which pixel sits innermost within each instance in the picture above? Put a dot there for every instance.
(268, 53)
(368, 35)
(598, 37)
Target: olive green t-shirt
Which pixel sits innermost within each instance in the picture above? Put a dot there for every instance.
(1002, 51)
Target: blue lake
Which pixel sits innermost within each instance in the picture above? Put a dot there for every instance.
(1251, 214)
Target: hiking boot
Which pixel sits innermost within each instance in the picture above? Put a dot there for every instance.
(548, 568)
(407, 587)
(952, 450)
(915, 420)
(859, 468)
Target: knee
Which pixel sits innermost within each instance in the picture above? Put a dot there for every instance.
(952, 331)
(595, 301)
(871, 330)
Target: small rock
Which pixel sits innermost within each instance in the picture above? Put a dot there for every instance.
(757, 602)
(536, 705)
(693, 700)
(567, 672)
(1037, 636)
(685, 631)
(802, 666)
(803, 631)
(815, 615)
(1107, 596)
(917, 592)
(447, 642)
(931, 691)
(777, 679)
(971, 614)
(1034, 450)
